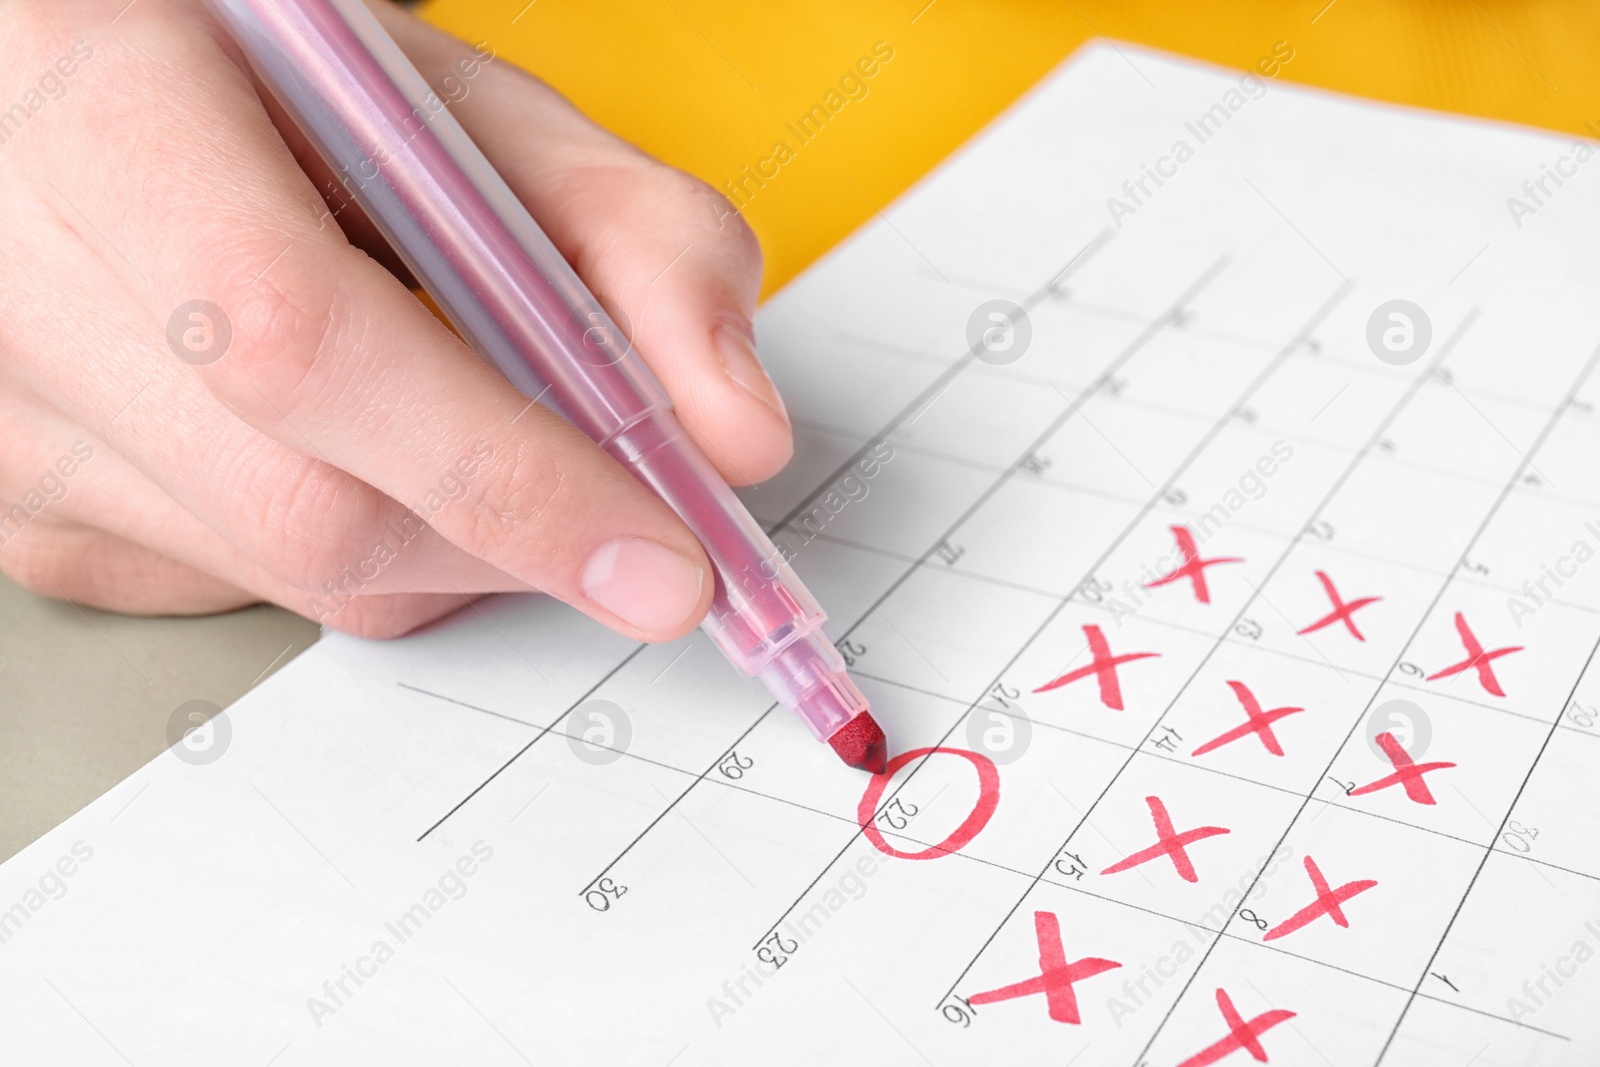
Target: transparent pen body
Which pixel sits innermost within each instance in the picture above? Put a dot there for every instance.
(401, 154)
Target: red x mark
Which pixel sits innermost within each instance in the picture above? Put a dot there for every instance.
(1194, 568)
(1406, 772)
(1477, 657)
(1168, 843)
(1104, 667)
(1327, 903)
(1258, 722)
(1241, 1034)
(1341, 611)
(1056, 975)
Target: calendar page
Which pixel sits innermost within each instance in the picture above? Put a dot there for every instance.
(1202, 476)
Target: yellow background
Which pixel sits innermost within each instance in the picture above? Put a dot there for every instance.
(707, 85)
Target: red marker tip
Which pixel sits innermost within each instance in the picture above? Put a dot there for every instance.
(860, 743)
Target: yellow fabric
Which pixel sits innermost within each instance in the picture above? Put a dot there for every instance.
(709, 85)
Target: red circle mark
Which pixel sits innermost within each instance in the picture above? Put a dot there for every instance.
(961, 836)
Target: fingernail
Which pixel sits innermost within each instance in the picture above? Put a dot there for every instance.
(646, 584)
(739, 361)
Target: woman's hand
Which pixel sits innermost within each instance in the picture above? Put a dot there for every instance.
(342, 453)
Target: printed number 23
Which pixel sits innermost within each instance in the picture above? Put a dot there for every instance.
(776, 950)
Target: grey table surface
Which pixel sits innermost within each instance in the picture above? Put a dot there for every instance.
(86, 696)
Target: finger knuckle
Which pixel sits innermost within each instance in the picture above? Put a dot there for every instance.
(526, 496)
(316, 527)
(699, 201)
(285, 321)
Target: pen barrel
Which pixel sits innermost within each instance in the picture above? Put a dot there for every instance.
(402, 156)
(397, 150)
(761, 616)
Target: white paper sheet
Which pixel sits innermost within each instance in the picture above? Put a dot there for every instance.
(403, 854)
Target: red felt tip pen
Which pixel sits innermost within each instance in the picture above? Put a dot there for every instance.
(517, 301)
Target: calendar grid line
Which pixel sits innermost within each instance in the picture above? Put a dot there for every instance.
(1155, 326)
(1022, 587)
(701, 777)
(905, 838)
(1283, 355)
(469, 705)
(916, 563)
(989, 285)
(1359, 366)
(543, 731)
(928, 393)
(1354, 366)
(1363, 368)
(1414, 388)
(1510, 854)
(1084, 254)
(1290, 436)
(1422, 620)
(1233, 639)
(901, 835)
(1208, 769)
(934, 389)
(1491, 850)
(931, 391)
(1042, 592)
(1560, 410)
(1344, 669)
(1168, 411)
(1487, 1014)
(916, 355)
(1056, 299)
